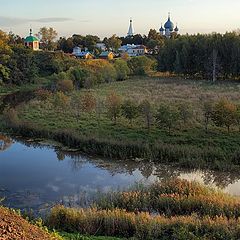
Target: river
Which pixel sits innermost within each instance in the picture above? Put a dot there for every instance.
(37, 175)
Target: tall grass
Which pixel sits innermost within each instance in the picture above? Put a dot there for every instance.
(177, 197)
(142, 225)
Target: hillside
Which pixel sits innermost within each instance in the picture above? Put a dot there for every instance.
(12, 226)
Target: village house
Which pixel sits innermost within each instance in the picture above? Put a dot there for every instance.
(106, 55)
(101, 46)
(133, 50)
(77, 52)
(85, 55)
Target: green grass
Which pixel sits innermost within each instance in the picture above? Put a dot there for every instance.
(76, 236)
(218, 144)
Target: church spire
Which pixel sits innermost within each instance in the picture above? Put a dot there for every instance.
(130, 30)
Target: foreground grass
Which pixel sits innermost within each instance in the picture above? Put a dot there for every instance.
(187, 211)
(76, 236)
(174, 198)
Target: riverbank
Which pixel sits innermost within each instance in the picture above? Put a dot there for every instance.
(92, 131)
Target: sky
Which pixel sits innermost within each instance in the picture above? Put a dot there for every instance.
(108, 17)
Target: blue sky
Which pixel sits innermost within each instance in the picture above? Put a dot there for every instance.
(107, 17)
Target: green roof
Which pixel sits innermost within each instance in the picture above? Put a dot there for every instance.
(31, 39)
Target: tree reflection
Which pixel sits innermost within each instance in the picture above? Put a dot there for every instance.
(5, 143)
(149, 170)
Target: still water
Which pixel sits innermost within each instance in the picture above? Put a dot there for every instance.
(35, 175)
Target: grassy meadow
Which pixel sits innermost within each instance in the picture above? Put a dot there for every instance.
(95, 132)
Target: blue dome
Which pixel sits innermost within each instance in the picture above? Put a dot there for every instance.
(169, 25)
(176, 29)
(161, 29)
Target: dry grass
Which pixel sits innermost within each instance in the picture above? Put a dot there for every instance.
(172, 90)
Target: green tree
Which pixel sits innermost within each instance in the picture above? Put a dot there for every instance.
(167, 117)
(22, 65)
(113, 43)
(129, 110)
(207, 113)
(5, 53)
(140, 65)
(122, 69)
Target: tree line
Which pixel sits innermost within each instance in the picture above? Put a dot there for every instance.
(205, 56)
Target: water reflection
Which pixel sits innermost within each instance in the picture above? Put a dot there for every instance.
(5, 143)
(36, 174)
(149, 169)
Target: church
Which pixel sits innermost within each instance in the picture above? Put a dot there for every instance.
(166, 31)
(168, 28)
(32, 42)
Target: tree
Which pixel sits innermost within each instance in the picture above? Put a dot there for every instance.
(47, 37)
(61, 101)
(207, 113)
(15, 39)
(113, 103)
(147, 112)
(88, 102)
(22, 65)
(140, 65)
(90, 42)
(167, 116)
(155, 41)
(79, 76)
(185, 112)
(113, 43)
(5, 52)
(224, 114)
(129, 110)
(122, 69)
(65, 45)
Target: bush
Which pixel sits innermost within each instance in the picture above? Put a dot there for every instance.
(167, 117)
(65, 86)
(140, 65)
(122, 69)
(129, 110)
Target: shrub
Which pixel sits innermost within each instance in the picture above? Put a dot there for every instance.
(65, 86)
(43, 94)
(122, 69)
(224, 113)
(129, 110)
(140, 65)
(167, 117)
(113, 103)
